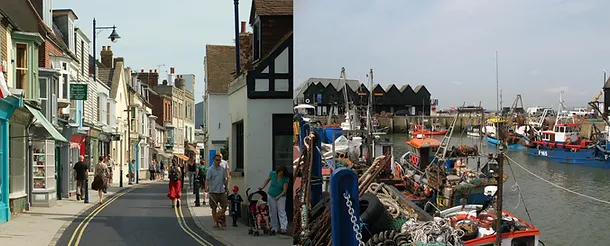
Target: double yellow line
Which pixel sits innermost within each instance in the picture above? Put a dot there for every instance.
(80, 229)
(186, 228)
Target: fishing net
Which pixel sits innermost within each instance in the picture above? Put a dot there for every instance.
(464, 188)
(398, 222)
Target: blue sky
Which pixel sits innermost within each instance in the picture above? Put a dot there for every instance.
(544, 46)
(155, 32)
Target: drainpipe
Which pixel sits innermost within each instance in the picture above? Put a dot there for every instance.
(28, 166)
(237, 64)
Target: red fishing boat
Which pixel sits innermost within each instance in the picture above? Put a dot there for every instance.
(419, 129)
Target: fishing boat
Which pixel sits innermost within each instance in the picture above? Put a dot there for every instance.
(419, 129)
(563, 144)
(474, 131)
(480, 222)
(492, 129)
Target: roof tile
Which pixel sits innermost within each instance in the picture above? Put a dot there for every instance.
(273, 7)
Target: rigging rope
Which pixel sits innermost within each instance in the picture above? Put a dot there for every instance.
(558, 186)
(517, 188)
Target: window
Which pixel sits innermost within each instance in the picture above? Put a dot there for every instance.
(99, 109)
(282, 141)
(65, 87)
(22, 78)
(17, 159)
(82, 57)
(44, 98)
(108, 113)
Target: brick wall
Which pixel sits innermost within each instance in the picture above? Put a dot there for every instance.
(274, 28)
(245, 51)
(48, 47)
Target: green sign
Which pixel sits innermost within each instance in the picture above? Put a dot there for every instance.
(78, 91)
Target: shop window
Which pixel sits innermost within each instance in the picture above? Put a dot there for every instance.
(17, 161)
(43, 169)
(65, 85)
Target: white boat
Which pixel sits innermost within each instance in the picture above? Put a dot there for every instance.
(474, 131)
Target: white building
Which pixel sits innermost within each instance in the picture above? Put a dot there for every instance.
(219, 64)
(260, 104)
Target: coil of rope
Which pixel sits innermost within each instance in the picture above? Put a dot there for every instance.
(437, 231)
(389, 199)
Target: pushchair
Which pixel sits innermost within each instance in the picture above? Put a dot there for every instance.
(254, 203)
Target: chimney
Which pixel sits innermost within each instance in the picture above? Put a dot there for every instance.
(243, 27)
(141, 71)
(154, 79)
(106, 56)
(171, 70)
(118, 59)
(245, 50)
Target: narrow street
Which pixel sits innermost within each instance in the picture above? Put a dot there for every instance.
(136, 216)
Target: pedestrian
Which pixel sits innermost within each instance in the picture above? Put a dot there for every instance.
(81, 171)
(192, 168)
(99, 178)
(158, 170)
(107, 177)
(225, 165)
(201, 176)
(151, 169)
(132, 171)
(235, 200)
(216, 185)
(175, 184)
(110, 165)
(162, 168)
(277, 198)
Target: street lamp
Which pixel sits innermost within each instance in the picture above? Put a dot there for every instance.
(114, 37)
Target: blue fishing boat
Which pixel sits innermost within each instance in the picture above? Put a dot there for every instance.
(562, 144)
(491, 131)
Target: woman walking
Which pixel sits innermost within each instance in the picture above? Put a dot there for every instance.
(277, 198)
(175, 184)
(100, 179)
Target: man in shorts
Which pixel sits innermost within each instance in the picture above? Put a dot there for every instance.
(216, 185)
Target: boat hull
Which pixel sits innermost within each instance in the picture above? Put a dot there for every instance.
(494, 141)
(590, 157)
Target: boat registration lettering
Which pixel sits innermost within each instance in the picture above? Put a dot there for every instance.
(542, 153)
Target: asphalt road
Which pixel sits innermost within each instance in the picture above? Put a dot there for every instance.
(141, 216)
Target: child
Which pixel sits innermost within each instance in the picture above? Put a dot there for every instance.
(235, 200)
(262, 217)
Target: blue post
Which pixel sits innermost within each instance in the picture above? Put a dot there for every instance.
(316, 173)
(212, 154)
(341, 181)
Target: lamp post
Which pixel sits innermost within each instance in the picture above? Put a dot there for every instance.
(237, 62)
(113, 37)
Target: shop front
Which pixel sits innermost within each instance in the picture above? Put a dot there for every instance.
(8, 105)
(92, 152)
(43, 162)
(69, 155)
(17, 168)
(104, 143)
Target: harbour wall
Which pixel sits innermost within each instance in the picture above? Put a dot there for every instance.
(402, 124)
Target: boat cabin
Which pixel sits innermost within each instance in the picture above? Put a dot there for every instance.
(561, 132)
(492, 125)
(422, 151)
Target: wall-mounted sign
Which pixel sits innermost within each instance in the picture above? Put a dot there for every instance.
(78, 91)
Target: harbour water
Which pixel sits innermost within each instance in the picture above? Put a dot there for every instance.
(563, 217)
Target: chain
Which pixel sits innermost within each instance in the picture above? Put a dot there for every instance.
(353, 219)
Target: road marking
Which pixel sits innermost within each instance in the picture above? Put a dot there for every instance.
(83, 224)
(187, 229)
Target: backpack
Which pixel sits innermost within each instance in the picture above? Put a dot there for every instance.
(173, 174)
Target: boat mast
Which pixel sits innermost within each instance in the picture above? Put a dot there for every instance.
(370, 103)
(497, 86)
(348, 112)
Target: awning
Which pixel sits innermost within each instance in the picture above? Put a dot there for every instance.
(182, 157)
(46, 124)
(77, 138)
(166, 155)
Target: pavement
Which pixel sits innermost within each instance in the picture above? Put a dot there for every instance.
(232, 236)
(41, 225)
